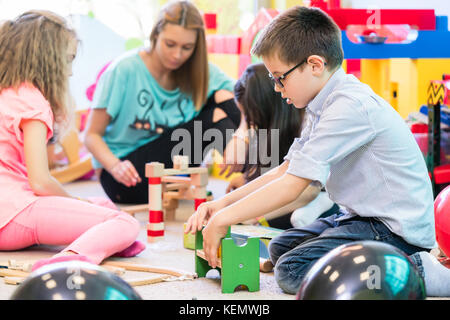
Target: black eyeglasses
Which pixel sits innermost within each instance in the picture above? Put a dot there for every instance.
(277, 80)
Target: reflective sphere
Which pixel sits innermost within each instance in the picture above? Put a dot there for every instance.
(442, 220)
(363, 270)
(74, 280)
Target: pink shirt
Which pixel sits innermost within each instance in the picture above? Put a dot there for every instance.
(15, 191)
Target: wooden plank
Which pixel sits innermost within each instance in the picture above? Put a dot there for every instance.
(174, 179)
(146, 268)
(146, 281)
(174, 172)
(135, 209)
(13, 273)
(14, 280)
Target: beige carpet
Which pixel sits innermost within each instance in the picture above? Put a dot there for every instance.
(169, 253)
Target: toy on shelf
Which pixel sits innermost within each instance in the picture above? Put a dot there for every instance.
(438, 94)
(398, 72)
(239, 265)
(190, 188)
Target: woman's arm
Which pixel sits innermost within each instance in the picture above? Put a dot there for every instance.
(98, 121)
(123, 171)
(41, 181)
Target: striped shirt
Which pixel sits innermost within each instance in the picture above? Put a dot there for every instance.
(357, 146)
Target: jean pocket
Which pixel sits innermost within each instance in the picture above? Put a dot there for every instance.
(381, 232)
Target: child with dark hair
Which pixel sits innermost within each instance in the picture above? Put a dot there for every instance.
(353, 143)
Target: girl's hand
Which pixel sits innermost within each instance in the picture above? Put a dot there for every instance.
(201, 217)
(125, 173)
(212, 235)
(236, 183)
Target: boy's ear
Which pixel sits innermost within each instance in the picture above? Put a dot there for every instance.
(318, 63)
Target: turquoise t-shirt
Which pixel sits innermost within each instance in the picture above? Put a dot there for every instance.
(139, 107)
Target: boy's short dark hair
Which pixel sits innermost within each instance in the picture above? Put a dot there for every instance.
(300, 32)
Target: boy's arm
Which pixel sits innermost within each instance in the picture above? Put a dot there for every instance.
(267, 198)
(254, 185)
(206, 210)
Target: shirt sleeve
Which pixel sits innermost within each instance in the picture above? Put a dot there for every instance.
(110, 91)
(343, 128)
(218, 80)
(29, 104)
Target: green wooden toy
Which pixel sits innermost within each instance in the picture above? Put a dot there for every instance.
(239, 265)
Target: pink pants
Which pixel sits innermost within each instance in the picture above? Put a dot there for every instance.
(95, 231)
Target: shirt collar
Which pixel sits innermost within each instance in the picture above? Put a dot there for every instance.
(316, 104)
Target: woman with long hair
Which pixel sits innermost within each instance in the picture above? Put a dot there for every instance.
(144, 96)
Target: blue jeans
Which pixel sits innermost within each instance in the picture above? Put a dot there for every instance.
(295, 251)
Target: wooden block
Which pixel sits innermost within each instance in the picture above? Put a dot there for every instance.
(199, 193)
(175, 186)
(154, 239)
(154, 169)
(13, 280)
(13, 273)
(180, 162)
(188, 239)
(135, 209)
(20, 265)
(176, 179)
(174, 172)
(200, 179)
(155, 226)
(155, 197)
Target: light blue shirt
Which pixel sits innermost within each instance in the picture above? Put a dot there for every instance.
(139, 107)
(357, 146)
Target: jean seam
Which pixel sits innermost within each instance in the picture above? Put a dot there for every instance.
(378, 236)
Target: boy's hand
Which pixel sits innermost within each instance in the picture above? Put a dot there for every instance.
(201, 217)
(212, 234)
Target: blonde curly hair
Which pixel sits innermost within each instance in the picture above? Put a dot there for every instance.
(33, 49)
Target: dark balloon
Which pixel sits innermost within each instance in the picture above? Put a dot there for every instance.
(363, 270)
(74, 281)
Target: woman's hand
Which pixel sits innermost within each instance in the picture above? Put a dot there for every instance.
(125, 173)
(201, 217)
(235, 183)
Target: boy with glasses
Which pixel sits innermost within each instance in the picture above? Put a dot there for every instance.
(353, 143)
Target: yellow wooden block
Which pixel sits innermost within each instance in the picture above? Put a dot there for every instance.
(188, 239)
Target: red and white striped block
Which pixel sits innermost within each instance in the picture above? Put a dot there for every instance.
(155, 227)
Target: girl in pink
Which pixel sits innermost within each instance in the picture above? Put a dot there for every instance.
(37, 50)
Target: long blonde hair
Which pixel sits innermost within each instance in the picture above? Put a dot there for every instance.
(192, 77)
(33, 49)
